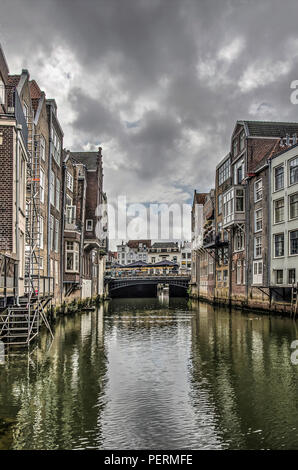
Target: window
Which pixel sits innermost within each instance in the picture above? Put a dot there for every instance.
(279, 276)
(294, 171)
(56, 146)
(258, 247)
(258, 220)
(239, 240)
(56, 243)
(70, 214)
(294, 242)
(219, 204)
(292, 276)
(56, 272)
(293, 204)
(279, 207)
(235, 147)
(26, 112)
(89, 225)
(224, 172)
(279, 245)
(258, 190)
(2, 92)
(153, 259)
(257, 272)
(41, 186)
(57, 194)
(278, 178)
(51, 231)
(52, 188)
(42, 147)
(239, 172)
(40, 237)
(244, 272)
(238, 272)
(69, 181)
(242, 140)
(239, 200)
(72, 257)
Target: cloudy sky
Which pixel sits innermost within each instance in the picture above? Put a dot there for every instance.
(158, 84)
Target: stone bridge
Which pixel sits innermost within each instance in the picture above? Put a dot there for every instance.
(115, 283)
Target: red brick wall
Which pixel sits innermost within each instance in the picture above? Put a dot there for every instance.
(6, 192)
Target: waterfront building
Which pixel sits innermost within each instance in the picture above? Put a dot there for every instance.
(95, 223)
(161, 251)
(185, 258)
(14, 157)
(283, 203)
(196, 240)
(133, 251)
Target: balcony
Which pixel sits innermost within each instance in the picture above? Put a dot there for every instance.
(234, 206)
(72, 223)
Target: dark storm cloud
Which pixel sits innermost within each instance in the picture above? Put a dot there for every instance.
(177, 75)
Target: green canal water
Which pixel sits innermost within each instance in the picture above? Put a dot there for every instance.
(154, 374)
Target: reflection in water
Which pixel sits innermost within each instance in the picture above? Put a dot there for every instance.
(154, 373)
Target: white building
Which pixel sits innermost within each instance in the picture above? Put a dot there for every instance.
(133, 251)
(164, 251)
(284, 218)
(185, 258)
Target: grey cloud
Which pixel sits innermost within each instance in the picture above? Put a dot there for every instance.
(164, 56)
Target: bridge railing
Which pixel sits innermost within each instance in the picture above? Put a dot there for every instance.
(126, 275)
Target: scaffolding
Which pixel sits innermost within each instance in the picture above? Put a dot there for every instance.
(20, 323)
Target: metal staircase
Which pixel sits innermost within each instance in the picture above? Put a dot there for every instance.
(20, 323)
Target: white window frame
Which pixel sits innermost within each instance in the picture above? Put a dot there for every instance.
(42, 147)
(56, 242)
(42, 185)
(257, 272)
(89, 221)
(258, 189)
(2, 92)
(289, 174)
(69, 181)
(257, 247)
(274, 243)
(51, 231)
(52, 188)
(289, 240)
(72, 248)
(258, 220)
(274, 209)
(57, 194)
(274, 175)
(291, 195)
(41, 233)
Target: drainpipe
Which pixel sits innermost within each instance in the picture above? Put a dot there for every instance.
(62, 230)
(83, 205)
(269, 232)
(17, 216)
(49, 198)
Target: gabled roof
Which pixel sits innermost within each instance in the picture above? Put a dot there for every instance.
(135, 243)
(87, 158)
(164, 245)
(269, 128)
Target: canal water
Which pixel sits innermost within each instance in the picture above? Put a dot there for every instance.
(154, 374)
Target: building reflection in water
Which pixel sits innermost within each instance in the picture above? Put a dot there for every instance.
(243, 362)
(57, 396)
